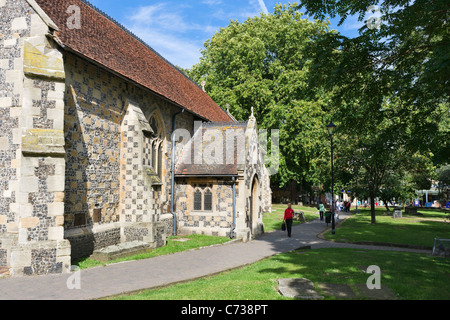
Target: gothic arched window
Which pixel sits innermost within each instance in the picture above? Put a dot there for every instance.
(207, 200)
(203, 199)
(198, 200)
(153, 147)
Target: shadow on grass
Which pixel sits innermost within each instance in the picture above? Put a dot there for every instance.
(409, 275)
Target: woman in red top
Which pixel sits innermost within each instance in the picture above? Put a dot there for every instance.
(288, 216)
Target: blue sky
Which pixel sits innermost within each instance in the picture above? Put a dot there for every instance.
(178, 29)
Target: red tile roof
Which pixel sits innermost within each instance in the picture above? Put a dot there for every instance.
(105, 42)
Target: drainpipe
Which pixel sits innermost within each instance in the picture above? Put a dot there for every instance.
(232, 235)
(173, 174)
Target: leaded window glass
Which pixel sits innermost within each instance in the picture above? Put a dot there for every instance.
(198, 200)
(207, 201)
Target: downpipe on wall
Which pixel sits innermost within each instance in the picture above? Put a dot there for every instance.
(172, 190)
(232, 234)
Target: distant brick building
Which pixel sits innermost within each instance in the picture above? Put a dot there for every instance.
(87, 113)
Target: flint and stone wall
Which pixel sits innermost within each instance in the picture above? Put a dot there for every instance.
(252, 198)
(218, 221)
(31, 145)
(74, 177)
(109, 193)
(71, 161)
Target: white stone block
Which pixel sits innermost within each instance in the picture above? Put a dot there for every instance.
(38, 27)
(19, 23)
(14, 208)
(63, 251)
(15, 112)
(56, 183)
(10, 42)
(27, 171)
(26, 210)
(29, 184)
(56, 233)
(29, 95)
(23, 236)
(4, 63)
(20, 258)
(60, 87)
(55, 95)
(21, 197)
(55, 209)
(4, 143)
(13, 76)
(5, 102)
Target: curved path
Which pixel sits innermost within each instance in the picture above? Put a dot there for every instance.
(160, 271)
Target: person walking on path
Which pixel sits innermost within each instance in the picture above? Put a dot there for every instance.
(288, 216)
(321, 211)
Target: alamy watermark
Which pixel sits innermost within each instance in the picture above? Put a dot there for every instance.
(374, 281)
(374, 22)
(74, 20)
(74, 281)
(236, 145)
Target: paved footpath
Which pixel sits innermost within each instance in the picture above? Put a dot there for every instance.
(160, 271)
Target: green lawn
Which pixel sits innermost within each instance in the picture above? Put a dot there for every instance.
(409, 230)
(273, 220)
(173, 246)
(409, 275)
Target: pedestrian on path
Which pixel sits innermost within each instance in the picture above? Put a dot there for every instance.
(288, 216)
(321, 211)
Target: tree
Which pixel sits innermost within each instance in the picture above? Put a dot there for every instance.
(390, 84)
(262, 63)
(407, 58)
(443, 180)
(369, 159)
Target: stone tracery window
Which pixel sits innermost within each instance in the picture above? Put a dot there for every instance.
(153, 147)
(198, 200)
(203, 199)
(207, 200)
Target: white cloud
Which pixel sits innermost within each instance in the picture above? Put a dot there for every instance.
(178, 32)
(179, 51)
(169, 32)
(263, 6)
(212, 2)
(352, 23)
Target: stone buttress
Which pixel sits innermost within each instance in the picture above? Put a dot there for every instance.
(31, 144)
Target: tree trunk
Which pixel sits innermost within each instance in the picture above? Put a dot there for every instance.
(372, 206)
(294, 199)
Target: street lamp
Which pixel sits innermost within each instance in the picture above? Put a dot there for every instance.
(331, 128)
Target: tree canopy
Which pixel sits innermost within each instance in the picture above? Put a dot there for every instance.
(391, 89)
(263, 63)
(386, 89)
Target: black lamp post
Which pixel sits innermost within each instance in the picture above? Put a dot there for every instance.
(331, 127)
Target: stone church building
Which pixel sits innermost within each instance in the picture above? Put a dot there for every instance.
(102, 141)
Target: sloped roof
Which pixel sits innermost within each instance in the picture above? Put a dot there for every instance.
(106, 42)
(216, 149)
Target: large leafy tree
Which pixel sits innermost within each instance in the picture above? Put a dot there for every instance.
(263, 64)
(405, 59)
(391, 85)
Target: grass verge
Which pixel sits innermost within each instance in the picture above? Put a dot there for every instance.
(273, 220)
(411, 276)
(409, 230)
(173, 245)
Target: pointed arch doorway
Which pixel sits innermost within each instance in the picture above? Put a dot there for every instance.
(254, 207)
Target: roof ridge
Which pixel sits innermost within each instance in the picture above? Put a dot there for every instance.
(138, 39)
(217, 123)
